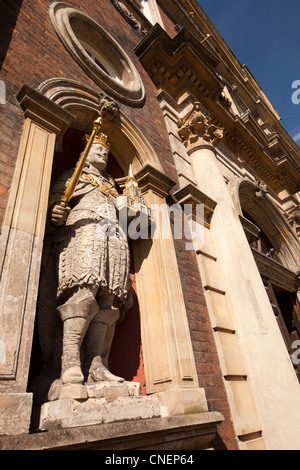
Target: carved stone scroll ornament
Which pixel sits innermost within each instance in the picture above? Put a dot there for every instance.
(108, 108)
(129, 17)
(262, 190)
(195, 129)
(293, 218)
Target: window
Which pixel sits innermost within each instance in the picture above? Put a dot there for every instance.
(101, 61)
(97, 53)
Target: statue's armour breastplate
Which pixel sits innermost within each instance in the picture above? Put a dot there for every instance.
(87, 253)
(94, 204)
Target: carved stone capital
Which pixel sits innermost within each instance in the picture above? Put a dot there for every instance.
(196, 130)
(40, 109)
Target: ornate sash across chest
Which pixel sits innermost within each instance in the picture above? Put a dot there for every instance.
(104, 188)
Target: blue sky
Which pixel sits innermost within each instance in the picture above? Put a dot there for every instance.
(265, 35)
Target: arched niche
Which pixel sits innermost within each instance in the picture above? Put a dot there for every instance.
(126, 352)
(59, 105)
(128, 145)
(254, 199)
(168, 367)
(276, 251)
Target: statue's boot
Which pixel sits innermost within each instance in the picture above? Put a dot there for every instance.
(98, 343)
(76, 315)
(74, 331)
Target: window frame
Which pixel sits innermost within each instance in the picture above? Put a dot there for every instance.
(76, 31)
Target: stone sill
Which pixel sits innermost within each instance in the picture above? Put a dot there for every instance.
(184, 432)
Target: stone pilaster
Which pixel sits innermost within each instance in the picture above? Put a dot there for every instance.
(20, 253)
(167, 350)
(224, 248)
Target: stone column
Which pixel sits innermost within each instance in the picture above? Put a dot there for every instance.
(250, 345)
(167, 350)
(21, 249)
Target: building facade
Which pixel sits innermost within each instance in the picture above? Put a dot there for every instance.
(214, 333)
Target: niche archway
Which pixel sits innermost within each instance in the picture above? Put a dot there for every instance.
(127, 147)
(126, 352)
(249, 199)
(276, 251)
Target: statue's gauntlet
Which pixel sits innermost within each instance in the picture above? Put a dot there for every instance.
(59, 215)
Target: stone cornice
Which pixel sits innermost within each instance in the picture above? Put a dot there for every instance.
(43, 111)
(190, 15)
(184, 63)
(276, 272)
(191, 195)
(177, 62)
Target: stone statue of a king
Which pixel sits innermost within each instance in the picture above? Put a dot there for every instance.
(92, 269)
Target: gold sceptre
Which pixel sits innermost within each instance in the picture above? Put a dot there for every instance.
(78, 170)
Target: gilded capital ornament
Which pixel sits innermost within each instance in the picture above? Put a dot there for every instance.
(195, 129)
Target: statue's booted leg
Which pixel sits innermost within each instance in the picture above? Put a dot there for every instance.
(98, 343)
(76, 314)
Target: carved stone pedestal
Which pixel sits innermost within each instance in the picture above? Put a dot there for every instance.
(93, 390)
(108, 402)
(71, 413)
(113, 390)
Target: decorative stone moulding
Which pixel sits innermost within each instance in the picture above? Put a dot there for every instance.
(131, 18)
(197, 130)
(97, 53)
(191, 195)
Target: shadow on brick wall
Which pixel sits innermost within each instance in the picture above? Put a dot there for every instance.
(9, 15)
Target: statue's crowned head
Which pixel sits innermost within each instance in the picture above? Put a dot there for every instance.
(100, 139)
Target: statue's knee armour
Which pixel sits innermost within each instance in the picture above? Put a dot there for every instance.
(83, 305)
(107, 316)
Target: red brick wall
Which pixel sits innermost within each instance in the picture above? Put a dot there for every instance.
(30, 53)
(169, 25)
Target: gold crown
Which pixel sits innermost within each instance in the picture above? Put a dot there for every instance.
(99, 139)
